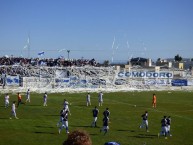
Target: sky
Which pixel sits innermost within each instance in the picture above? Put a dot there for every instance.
(114, 30)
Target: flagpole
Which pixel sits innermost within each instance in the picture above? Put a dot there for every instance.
(28, 44)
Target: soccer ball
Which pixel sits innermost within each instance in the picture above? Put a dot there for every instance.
(134, 105)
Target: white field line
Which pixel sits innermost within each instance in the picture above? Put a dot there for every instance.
(179, 116)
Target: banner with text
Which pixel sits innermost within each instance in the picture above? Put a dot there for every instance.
(145, 74)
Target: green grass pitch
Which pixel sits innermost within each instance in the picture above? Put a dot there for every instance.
(37, 124)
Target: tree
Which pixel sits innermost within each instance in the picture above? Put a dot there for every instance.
(159, 59)
(106, 63)
(178, 58)
(190, 68)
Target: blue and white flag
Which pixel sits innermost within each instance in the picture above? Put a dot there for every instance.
(25, 47)
(41, 53)
(61, 56)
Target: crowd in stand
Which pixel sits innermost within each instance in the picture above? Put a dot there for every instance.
(61, 62)
(29, 66)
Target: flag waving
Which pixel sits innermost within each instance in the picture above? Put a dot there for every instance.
(27, 46)
(41, 53)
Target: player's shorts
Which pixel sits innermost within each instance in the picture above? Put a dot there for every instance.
(65, 123)
(168, 128)
(100, 100)
(13, 113)
(144, 122)
(105, 127)
(95, 119)
(164, 129)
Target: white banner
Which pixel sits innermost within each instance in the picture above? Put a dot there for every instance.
(190, 82)
(61, 73)
(36, 82)
(162, 82)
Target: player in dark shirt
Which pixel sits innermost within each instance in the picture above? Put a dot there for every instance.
(105, 125)
(64, 122)
(163, 127)
(144, 121)
(61, 117)
(106, 113)
(95, 112)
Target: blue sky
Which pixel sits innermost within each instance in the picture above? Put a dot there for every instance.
(100, 29)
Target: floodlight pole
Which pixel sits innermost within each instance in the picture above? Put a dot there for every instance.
(68, 53)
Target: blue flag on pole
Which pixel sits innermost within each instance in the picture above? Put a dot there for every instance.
(41, 53)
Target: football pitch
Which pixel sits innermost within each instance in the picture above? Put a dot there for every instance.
(37, 124)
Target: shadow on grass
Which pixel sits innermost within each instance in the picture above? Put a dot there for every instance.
(95, 127)
(29, 105)
(52, 115)
(40, 132)
(3, 118)
(93, 134)
(81, 126)
(126, 130)
(82, 105)
(44, 127)
(151, 136)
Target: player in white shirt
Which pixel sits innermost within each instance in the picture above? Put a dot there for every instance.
(6, 100)
(100, 97)
(168, 125)
(13, 111)
(28, 96)
(45, 97)
(88, 102)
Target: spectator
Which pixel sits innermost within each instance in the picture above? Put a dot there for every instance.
(78, 137)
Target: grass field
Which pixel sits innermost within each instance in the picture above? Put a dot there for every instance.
(37, 124)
